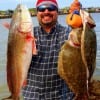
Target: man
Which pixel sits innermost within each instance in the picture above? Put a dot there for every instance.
(44, 83)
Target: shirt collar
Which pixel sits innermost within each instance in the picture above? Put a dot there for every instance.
(52, 30)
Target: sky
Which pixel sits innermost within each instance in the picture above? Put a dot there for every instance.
(11, 4)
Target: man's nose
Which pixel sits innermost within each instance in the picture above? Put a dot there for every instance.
(46, 11)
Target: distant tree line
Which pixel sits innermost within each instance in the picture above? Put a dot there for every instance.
(33, 11)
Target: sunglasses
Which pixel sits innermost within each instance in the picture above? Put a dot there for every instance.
(42, 8)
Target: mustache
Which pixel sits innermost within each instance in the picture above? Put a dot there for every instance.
(46, 15)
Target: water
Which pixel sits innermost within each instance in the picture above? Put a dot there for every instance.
(3, 48)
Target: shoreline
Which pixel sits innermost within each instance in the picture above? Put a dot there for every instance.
(9, 16)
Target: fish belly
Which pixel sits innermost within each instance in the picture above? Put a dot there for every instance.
(19, 56)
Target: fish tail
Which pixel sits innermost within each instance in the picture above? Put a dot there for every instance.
(11, 98)
(15, 97)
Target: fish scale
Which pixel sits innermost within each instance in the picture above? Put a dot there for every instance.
(19, 50)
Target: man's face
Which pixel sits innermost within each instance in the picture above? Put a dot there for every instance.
(47, 15)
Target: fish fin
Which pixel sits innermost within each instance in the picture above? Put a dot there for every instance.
(89, 49)
(34, 50)
(8, 98)
(60, 66)
(29, 37)
(6, 25)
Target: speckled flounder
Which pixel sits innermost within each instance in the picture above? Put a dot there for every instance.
(71, 66)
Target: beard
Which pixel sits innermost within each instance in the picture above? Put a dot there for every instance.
(48, 23)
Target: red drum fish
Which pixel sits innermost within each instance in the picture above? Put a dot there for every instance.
(76, 62)
(21, 46)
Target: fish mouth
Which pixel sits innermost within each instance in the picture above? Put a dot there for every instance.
(24, 27)
(75, 44)
(74, 41)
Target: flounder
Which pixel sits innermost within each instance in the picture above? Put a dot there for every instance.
(74, 63)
